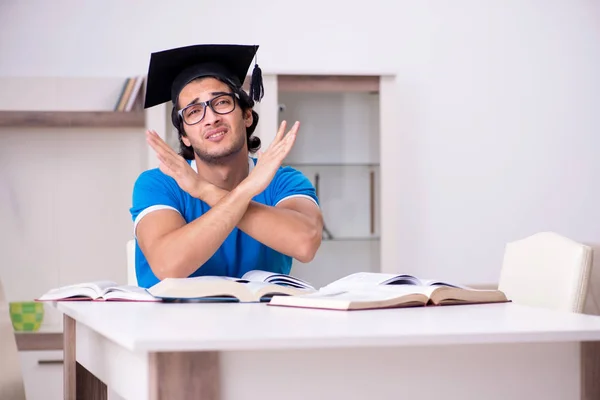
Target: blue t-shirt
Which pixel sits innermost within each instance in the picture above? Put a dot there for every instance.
(239, 253)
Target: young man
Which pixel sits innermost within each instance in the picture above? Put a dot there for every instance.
(213, 209)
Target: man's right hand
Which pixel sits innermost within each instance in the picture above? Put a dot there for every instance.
(175, 166)
(269, 161)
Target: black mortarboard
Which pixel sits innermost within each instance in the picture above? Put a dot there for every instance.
(170, 70)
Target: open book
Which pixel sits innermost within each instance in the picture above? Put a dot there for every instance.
(253, 286)
(98, 291)
(370, 290)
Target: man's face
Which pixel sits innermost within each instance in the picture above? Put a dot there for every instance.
(217, 136)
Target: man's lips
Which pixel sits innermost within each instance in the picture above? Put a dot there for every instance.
(215, 133)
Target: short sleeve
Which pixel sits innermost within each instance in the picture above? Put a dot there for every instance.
(154, 191)
(289, 182)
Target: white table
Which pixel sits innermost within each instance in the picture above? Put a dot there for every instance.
(255, 351)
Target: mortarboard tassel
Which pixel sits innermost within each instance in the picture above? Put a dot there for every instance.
(257, 90)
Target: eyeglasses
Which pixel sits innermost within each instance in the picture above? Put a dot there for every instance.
(221, 104)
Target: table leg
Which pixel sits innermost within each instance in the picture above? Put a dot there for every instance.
(79, 383)
(69, 368)
(590, 370)
(182, 375)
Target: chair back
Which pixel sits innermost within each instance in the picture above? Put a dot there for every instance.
(547, 270)
(131, 276)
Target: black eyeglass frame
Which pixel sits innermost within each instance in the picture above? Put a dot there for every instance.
(206, 104)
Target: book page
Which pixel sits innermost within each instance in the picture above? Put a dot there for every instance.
(174, 282)
(433, 282)
(97, 286)
(88, 289)
(352, 296)
(405, 289)
(203, 287)
(209, 278)
(257, 276)
(263, 291)
(356, 300)
(255, 287)
(381, 290)
(278, 279)
(128, 292)
(363, 280)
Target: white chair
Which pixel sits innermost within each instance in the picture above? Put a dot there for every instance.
(131, 276)
(547, 270)
(11, 375)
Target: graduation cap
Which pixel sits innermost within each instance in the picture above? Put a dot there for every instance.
(170, 70)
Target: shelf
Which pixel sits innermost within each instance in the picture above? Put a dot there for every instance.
(72, 119)
(328, 83)
(28, 341)
(325, 83)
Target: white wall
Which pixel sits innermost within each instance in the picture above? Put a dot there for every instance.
(64, 207)
(496, 115)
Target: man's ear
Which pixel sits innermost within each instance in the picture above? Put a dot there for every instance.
(185, 140)
(248, 119)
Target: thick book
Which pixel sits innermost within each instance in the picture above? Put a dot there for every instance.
(253, 286)
(371, 290)
(98, 291)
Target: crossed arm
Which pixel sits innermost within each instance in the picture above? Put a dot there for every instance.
(176, 249)
(293, 227)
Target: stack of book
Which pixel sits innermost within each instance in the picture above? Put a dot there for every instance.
(131, 94)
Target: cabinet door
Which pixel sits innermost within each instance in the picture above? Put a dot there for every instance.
(348, 197)
(42, 374)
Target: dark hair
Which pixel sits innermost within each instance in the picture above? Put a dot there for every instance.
(245, 102)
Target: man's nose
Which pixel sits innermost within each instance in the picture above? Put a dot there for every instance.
(210, 117)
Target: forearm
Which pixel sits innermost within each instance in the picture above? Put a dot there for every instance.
(180, 252)
(283, 230)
